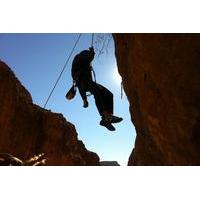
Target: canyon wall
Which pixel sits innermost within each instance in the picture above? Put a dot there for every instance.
(27, 129)
(161, 78)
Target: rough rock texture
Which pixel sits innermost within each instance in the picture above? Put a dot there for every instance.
(161, 77)
(26, 129)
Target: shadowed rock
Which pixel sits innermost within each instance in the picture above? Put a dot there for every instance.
(26, 129)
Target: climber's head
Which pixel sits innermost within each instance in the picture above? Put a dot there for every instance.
(87, 53)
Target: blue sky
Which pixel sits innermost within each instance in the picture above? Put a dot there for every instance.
(37, 60)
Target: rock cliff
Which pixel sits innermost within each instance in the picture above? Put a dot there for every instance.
(27, 130)
(161, 77)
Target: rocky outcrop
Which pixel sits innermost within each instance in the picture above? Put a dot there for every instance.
(27, 130)
(161, 77)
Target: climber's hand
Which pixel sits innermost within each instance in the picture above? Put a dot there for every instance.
(91, 48)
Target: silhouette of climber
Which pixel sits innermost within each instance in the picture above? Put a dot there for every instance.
(82, 77)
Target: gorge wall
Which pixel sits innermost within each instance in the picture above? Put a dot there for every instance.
(161, 78)
(26, 129)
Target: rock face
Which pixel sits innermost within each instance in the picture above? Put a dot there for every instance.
(161, 77)
(27, 130)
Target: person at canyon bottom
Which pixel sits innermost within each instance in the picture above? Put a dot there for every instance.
(82, 76)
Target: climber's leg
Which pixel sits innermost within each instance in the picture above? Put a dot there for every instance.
(107, 97)
(96, 90)
(100, 100)
(104, 102)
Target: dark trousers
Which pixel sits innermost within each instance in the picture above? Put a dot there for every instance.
(103, 97)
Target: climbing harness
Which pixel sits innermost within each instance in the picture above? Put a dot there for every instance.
(62, 70)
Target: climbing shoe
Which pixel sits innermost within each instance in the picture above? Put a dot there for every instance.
(115, 119)
(112, 119)
(107, 124)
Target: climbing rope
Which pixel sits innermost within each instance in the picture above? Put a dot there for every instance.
(92, 39)
(62, 70)
(94, 75)
(92, 42)
(92, 69)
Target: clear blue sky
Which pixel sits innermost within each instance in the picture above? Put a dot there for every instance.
(37, 60)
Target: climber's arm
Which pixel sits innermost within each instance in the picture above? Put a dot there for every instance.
(83, 95)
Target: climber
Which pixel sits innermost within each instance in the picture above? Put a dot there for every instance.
(82, 76)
